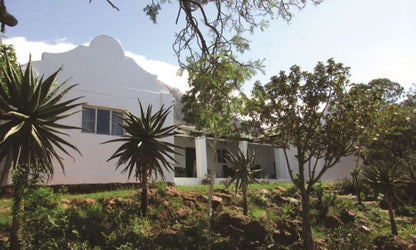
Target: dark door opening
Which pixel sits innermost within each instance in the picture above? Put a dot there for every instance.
(190, 157)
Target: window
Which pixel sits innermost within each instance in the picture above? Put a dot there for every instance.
(221, 156)
(101, 121)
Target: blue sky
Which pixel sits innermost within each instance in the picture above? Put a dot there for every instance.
(376, 38)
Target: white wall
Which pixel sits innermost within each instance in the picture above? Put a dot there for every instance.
(106, 79)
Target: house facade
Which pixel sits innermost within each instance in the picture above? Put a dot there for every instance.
(109, 83)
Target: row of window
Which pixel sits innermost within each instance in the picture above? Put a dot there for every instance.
(101, 121)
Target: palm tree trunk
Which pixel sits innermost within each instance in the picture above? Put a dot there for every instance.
(306, 222)
(144, 197)
(389, 200)
(245, 204)
(19, 182)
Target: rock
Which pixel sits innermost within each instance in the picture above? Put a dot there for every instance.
(286, 233)
(90, 201)
(66, 201)
(239, 220)
(234, 232)
(256, 231)
(389, 242)
(363, 229)
(166, 238)
(279, 189)
(223, 244)
(333, 222)
(183, 212)
(348, 216)
(225, 197)
(264, 191)
(172, 192)
(76, 201)
(412, 247)
(224, 219)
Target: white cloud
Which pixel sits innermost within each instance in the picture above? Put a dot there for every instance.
(166, 73)
(25, 48)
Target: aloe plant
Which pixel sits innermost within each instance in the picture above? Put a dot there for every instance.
(386, 176)
(30, 132)
(143, 151)
(243, 165)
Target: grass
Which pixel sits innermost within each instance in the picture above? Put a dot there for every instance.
(124, 193)
(5, 213)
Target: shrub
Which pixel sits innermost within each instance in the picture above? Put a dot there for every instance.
(347, 238)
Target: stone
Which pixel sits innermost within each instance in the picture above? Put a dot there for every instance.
(348, 216)
(224, 219)
(66, 201)
(234, 232)
(333, 222)
(256, 231)
(239, 220)
(363, 229)
(90, 201)
(183, 212)
(286, 233)
(264, 191)
(166, 238)
(171, 191)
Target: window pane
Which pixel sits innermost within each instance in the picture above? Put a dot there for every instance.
(88, 120)
(103, 121)
(116, 120)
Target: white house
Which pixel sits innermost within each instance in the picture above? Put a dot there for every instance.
(111, 82)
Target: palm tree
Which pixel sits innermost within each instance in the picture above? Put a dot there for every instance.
(143, 151)
(29, 130)
(386, 176)
(242, 165)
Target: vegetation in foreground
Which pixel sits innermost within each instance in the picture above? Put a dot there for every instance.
(176, 219)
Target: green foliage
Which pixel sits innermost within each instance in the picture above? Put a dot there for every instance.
(341, 238)
(243, 173)
(304, 112)
(143, 151)
(32, 107)
(325, 200)
(45, 224)
(242, 165)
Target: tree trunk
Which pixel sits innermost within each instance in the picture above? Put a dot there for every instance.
(212, 176)
(245, 204)
(357, 188)
(20, 179)
(144, 197)
(306, 222)
(389, 200)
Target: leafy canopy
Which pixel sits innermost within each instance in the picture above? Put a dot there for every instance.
(32, 108)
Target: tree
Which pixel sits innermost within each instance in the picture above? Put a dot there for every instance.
(30, 131)
(143, 151)
(386, 175)
(389, 156)
(211, 104)
(242, 165)
(6, 18)
(312, 114)
(211, 27)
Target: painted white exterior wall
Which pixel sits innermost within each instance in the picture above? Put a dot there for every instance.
(109, 80)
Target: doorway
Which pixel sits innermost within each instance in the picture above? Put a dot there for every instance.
(190, 158)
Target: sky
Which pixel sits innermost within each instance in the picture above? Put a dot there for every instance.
(376, 38)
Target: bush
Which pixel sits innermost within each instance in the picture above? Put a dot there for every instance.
(347, 238)
(45, 225)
